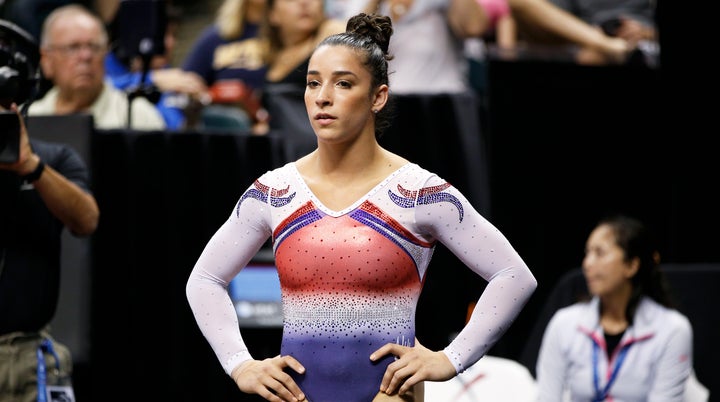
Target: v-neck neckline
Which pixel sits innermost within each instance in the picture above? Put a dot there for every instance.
(355, 204)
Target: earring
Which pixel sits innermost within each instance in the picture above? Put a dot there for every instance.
(375, 111)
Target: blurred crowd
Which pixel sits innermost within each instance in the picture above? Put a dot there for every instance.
(244, 70)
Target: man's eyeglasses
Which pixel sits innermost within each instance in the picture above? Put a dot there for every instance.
(73, 49)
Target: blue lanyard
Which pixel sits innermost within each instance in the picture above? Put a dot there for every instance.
(600, 395)
(45, 347)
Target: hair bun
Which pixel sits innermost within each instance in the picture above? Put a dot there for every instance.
(376, 27)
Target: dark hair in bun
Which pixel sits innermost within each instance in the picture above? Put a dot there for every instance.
(376, 27)
(369, 35)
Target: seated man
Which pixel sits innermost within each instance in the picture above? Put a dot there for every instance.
(73, 46)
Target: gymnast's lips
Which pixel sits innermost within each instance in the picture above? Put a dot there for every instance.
(324, 118)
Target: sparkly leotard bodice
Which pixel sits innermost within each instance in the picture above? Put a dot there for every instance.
(351, 279)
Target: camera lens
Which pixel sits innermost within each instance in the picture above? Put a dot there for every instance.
(19, 58)
(9, 86)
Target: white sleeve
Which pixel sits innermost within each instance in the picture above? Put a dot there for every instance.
(674, 365)
(485, 250)
(234, 244)
(551, 362)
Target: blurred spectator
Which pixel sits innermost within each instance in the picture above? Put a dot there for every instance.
(292, 29)
(73, 46)
(174, 89)
(632, 20)
(540, 21)
(228, 55)
(428, 42)
(502, 28)
(626, 343)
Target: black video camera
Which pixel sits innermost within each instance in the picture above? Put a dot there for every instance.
(19, 78)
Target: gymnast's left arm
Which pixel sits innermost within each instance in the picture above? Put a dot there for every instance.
(486, 251)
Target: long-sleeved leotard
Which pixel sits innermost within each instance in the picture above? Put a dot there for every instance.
(351, 279)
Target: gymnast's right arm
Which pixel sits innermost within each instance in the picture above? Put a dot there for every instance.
(228, 251)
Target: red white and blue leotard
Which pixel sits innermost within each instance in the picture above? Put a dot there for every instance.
(351, 279)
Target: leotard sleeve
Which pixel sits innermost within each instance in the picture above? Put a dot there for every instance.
(485, 250)
(234, 244)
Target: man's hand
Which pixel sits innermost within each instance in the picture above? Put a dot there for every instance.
(27, 160)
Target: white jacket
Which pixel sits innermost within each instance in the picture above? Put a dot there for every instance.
(656, 365)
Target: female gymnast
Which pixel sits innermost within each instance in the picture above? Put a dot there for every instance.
(353, 229)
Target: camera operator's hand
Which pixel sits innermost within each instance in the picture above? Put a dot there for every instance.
(76, 208)
(27, 161)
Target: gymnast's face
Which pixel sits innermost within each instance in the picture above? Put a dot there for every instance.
(338, 96)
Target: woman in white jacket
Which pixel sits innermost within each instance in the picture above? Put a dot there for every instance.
(626, 344)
